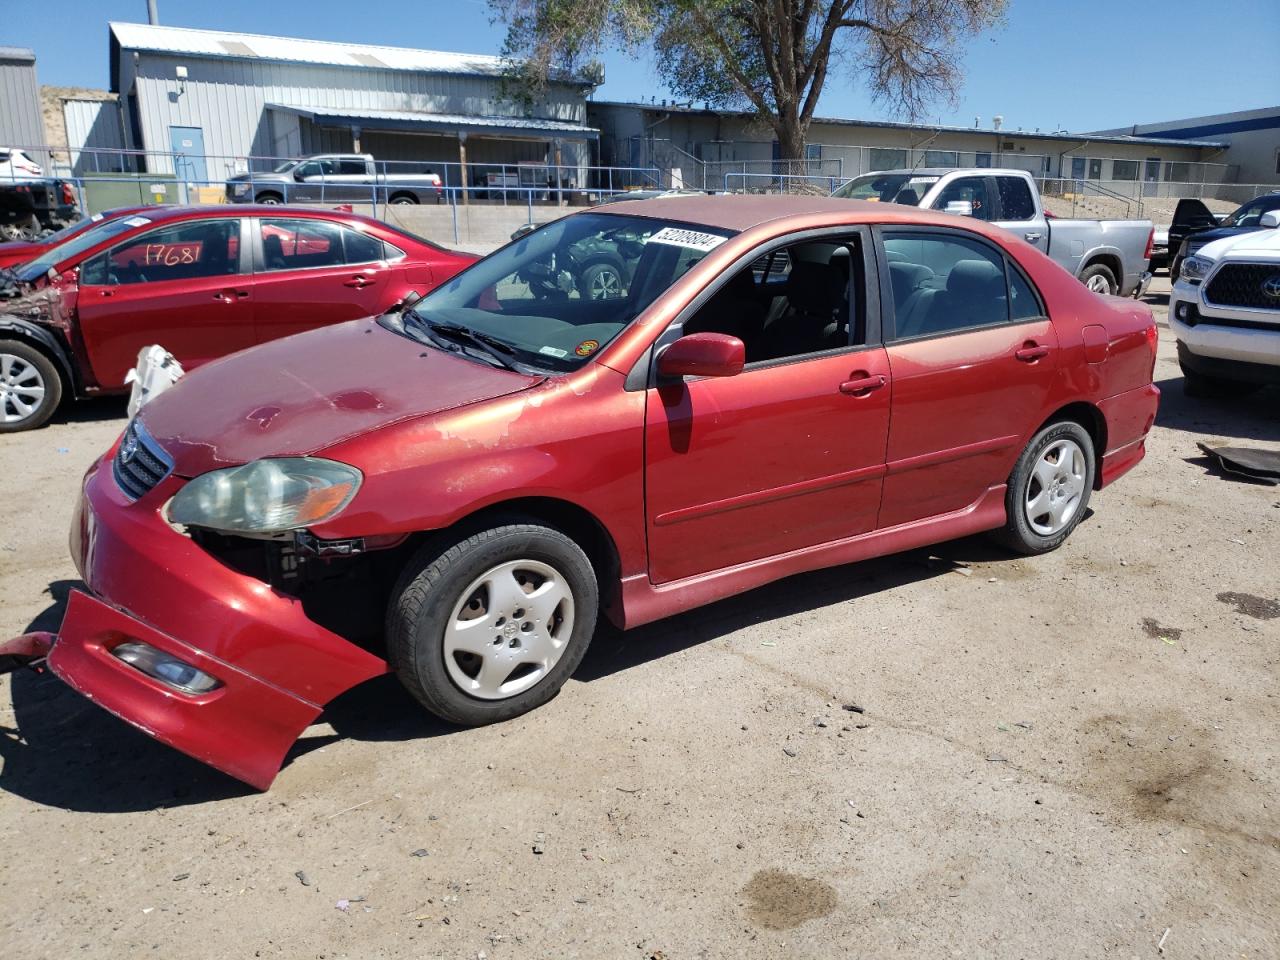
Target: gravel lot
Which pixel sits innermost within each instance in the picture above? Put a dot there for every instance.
(1067, 756)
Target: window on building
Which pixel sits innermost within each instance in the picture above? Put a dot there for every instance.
(941, 158)
(1124, 169)
(1095, 168)
(982, 160)
(1177, 172)
(813, 151)
(885, 158)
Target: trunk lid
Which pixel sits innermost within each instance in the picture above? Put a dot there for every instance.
(294, 396)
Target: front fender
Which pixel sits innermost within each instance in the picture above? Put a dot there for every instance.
(46, 339)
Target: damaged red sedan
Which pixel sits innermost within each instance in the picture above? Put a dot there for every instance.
(458, 490)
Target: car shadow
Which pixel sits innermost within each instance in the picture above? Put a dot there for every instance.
(64, 751)
(1255, 417)
(93, 410)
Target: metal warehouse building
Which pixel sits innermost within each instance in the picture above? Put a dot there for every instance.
(20, 121)
(221, 98)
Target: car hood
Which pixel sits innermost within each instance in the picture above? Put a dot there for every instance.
(295, 396)
(19, 251)
(1245, 241)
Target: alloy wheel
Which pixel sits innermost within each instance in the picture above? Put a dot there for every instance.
(22, 389)
(509, 629)
(1055, 487)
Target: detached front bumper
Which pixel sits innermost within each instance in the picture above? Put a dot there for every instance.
(276, 669)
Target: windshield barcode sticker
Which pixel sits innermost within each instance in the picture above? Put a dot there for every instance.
(677, 237)
(554, 352)
(138, 221)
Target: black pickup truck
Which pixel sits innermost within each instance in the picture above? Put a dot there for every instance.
(31, 208)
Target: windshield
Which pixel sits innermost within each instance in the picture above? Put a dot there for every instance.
(904, 188)
(282, 167)
(104, 230)
(69, 231)
(1250, 215)
(559, 294)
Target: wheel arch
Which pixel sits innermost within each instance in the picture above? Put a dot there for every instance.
(1107, 257)
(574, 521)
(44, 340)
(1094, 424)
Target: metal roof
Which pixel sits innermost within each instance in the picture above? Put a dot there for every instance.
(222, 44)
(18, 53)
(925, 127)
(444, 122)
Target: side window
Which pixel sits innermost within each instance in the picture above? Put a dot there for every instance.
(351, 168)
(309, 169)
(300, 244)
(391, 252)
(800, 299)
(943, 284)
(1016, 202)
(201, 248)
(94, 272)
(360, 247)
(1023, 302)
(971, 190)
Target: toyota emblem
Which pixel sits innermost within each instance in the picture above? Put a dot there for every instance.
(1271, 286)
(128, 448)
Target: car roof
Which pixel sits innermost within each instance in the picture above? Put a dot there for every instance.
(943, 171)
(164, 213)
(740, 212)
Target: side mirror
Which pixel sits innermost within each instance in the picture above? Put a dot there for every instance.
(961, 208)
(1270, 220)
(703, 355)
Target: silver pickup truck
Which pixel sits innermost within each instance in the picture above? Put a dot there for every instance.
(337, 178)
(1107, 256)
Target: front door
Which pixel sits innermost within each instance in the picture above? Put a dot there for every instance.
(973, 358)
(183, 287)
(189, 167)
(789, 453)
(311, 273)
(1151, 177)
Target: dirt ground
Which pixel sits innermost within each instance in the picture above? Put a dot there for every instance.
(947, 753)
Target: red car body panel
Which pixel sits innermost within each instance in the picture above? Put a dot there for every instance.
(700, 490)
(103, 326)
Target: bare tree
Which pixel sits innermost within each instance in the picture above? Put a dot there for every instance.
(774, 56)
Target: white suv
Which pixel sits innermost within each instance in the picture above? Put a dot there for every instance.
(1225, 312)
(16, 165)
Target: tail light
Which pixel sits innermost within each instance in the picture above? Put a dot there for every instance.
(1153, 341)
(68, 195)
(1151, 242)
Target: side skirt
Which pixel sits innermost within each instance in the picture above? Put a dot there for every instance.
(643, 602)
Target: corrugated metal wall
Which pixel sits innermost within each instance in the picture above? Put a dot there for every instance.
(21, 124)
(227, 100)
(93, 125)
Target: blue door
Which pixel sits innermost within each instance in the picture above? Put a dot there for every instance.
(187, 144)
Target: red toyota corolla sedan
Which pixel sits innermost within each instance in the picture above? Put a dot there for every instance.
(202, 282)
(456, 492)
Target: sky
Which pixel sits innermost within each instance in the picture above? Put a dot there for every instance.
(1087, 65)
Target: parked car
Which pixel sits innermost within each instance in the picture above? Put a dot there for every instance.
(1159, 259)
(1225, 311)
(200, 281)
(459, 490)
(336, 178)
(14, 252)
(16, 165)
(34, 207)
(1107, 256)
(1195, 225)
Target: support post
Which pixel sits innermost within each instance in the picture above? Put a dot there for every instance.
(462, 165)
(559, 179)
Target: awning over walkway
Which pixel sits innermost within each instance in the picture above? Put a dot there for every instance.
(441, 123)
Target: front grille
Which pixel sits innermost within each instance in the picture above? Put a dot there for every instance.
(1246, 285)
(139, 463)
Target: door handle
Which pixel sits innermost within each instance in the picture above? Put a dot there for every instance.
(1032, 237)
(861, 386)
(357, 282)
(230, 296)
(1031, 353)
(108, 293)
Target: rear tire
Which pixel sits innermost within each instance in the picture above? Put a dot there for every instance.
(1049, 489)
(1200, 386)
(404, 200)
(491, 626)
(1100, 279)
(30, 387)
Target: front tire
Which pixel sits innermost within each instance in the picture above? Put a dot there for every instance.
(404, 200)
(30, 388)
(1049, 489)
(491, 626)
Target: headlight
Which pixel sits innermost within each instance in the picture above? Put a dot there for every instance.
(1195, 269)
(266, 496)
(240, 189)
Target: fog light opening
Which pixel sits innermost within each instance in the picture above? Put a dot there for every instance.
(165, 668)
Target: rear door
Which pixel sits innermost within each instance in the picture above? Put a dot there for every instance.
(184, 287)
(1019, 213)
(973, 359)
(311, 273)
